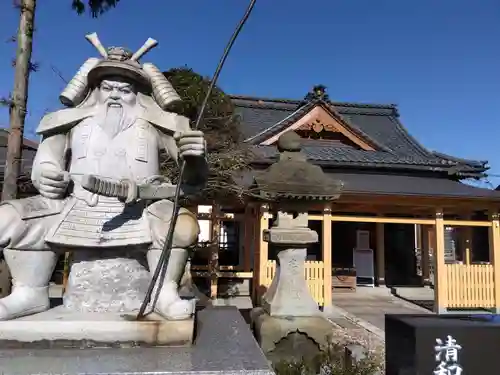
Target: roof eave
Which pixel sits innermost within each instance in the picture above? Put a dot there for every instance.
(461, 173)
(478, 164)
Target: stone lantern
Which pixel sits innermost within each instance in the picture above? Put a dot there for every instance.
(291, 185)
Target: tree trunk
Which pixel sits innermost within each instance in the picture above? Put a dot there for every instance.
(19, 99)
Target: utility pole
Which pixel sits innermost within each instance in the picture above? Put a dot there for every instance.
(19, 100)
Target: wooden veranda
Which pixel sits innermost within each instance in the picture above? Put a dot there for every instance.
(457, 285)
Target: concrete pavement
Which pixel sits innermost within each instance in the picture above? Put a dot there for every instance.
(367, 307)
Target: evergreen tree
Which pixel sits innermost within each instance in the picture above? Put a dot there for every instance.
(227, 156)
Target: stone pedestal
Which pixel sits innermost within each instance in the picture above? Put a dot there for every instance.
(99, 308)
(61, 328)
(282, 338)
(224, 345)
(290, 321)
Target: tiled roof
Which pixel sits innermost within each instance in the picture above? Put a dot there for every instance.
(378, 123)
(359, 183)
(347, 156)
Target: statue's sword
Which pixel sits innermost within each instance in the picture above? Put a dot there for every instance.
(160, 271)
(128, 191)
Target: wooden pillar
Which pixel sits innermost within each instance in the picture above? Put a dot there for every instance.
(495, 258)
(440, 276)
(326, 245)
(213, 266)
(491, 216)
(424, 255)
(247, 245)
(256, 252)
(380, 253)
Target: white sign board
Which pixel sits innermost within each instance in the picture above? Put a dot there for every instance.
(362, 239)
(363, 262)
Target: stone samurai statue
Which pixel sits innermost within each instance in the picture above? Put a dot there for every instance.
(97, 169)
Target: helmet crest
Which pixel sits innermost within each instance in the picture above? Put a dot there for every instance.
(122, 62)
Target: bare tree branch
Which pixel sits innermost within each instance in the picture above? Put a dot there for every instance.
(225, 169)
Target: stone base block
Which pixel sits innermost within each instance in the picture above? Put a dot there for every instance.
(282, 338)
(60, 327)
(224, 345)
(105, 285)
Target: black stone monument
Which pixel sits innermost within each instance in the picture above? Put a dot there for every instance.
(442, 344)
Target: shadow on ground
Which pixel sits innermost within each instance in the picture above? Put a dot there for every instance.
(55, 301)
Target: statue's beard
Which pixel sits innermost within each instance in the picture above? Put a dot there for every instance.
(114, 119)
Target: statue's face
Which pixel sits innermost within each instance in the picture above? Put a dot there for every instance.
(115, 93)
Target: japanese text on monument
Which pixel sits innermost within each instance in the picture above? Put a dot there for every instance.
(447, 357)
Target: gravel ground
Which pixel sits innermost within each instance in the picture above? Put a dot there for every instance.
(374, 345)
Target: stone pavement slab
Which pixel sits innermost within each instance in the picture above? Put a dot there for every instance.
(224, 346)
(370, 305)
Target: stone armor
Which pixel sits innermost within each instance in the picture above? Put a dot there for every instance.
(133, 154)
(76, 221)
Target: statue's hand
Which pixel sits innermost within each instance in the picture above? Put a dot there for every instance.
(53, 184)
(190, 143)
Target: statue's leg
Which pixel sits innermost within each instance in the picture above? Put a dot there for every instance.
(30, 270)
(169, 304)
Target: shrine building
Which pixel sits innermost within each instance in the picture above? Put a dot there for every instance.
(404, 216)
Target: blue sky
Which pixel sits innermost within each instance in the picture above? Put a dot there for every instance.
(439, 60)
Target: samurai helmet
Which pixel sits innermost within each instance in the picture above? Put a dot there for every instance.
(119, 61)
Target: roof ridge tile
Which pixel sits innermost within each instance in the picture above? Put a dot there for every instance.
(297, 102)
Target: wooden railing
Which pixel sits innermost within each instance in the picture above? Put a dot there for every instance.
(314, 275)
(470, 286)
